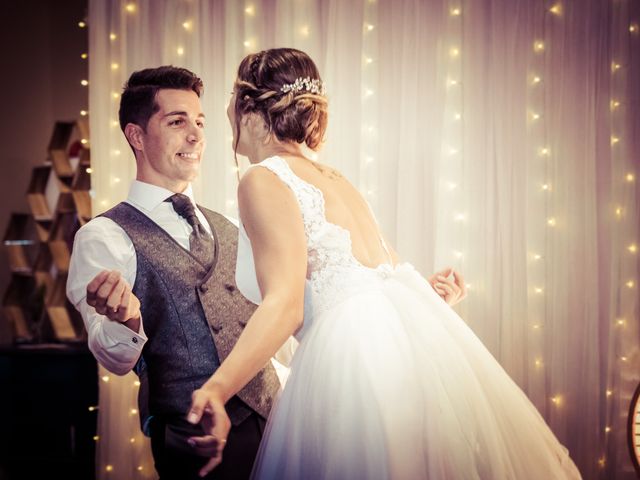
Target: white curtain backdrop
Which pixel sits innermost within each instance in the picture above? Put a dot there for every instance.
(501, 137)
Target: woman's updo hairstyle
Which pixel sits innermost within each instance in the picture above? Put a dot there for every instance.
(296, 115)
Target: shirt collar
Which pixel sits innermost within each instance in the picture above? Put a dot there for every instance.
(149, 196)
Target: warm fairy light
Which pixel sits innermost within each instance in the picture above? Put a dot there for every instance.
(134, 411)
(139, 468)
(104, 203)
(304, 30)
(538, 46)
(136, 383)
(633, 28)
(180, 51)
(556, 9)
(114, 123)
(557, 400)
(109, 468)
(451, 82)
(84, 56)
(105, 378)
(187, 25)
(630, 177)
(96, 438)
(368, 92)
(368, 60)
(84, 83)
(454, 52)
(545, 186)
(451, 186)
(614, 140)
(544, 151)
(551, 222)
(607, 429)
(615, 66)
(633, 248)
(84, 141)
(538, 362)
(460, 217)
(630, 284)
(623, 358)
(535, 116)
(84, 113)
(458, 254)
(538, 290)
(456, 11)
(112, 36)
(609, 393)
(537, 256)
(89, 170)
(457, 116)
(250, 10)
(620, 322)
(368, 160)
(614, 104)
(369, 27)
(115, 95)
(116, 152)
(453, 151)
(618, 212)
(115, 66)
(131, 7)
(82, 24)
(248, 43)
(132, 440)
(535, 326)
(92, 408)
(602, 461)
(536, 79)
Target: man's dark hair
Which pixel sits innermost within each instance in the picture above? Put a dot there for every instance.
(138, 101)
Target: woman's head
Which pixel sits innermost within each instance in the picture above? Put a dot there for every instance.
(283, 87)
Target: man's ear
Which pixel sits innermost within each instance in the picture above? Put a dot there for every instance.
(134, 134)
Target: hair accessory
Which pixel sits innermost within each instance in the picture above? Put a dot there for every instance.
(310, 85)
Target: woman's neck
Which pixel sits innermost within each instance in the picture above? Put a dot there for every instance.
(273, 148)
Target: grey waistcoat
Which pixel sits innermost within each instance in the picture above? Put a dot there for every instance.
(192, 315)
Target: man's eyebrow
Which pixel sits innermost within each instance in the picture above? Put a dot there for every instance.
(185, 114)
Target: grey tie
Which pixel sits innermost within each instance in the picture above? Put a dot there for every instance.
(201, 244)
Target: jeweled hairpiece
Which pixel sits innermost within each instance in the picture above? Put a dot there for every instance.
(310, 85)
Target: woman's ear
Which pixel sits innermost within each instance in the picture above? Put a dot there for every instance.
(255, 124)
(134, 134)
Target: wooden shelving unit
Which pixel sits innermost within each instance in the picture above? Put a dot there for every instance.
(39, 243)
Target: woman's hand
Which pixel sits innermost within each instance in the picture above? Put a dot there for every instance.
(452, 290)
(207, 407)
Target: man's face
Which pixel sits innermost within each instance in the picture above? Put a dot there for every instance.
(174, 141)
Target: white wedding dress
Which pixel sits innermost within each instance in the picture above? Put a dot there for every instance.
(388, 381)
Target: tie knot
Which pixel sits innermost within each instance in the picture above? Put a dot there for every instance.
(183, 207)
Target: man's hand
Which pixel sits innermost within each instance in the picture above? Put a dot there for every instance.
(452, 290)
(111, 295)
(207, 407)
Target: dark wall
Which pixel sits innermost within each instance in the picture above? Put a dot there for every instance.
(40, 83)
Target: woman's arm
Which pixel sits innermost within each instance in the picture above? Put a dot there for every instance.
(272, 219)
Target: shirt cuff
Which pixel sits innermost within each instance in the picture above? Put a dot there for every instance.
(122, 335)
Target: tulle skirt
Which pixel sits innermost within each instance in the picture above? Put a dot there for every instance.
(391, 383)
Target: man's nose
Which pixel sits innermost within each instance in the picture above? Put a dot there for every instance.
(196, 134)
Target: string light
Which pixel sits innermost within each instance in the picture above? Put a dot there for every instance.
(602, 461)
(544, 151)
(537, 256)
(630, 177)
(633, 28)
(84, 141)
(620, 322)
(615, 67)
(180, 51)
(614, 104)
(454, 52)
(556, 9)
(131, 7)
(619, 212)
(609, 393)
(368, 60)
(614, 140)
(115, 66)
(136, 383)
(112, 36)
(84, 83)
(557, 400)
(546, 187)
(535, 116)
(134, 411)
(188, 25)
(536, 79)
(538, 46)
(92, 408)
(250, 10)
(538, 290)
(538, 363)
(633, 248)
(455, 12)
(109, 468)
(536, 326)
(83, 113)
(115, 95)
(139, 468)
(304, 30)
(96, 438)
(369, 27)
(89, 170)
(114, 123)
(607, 429)
(84, 56)
(82, 24)
(551, 222)
(458, 254)
(630, 284)
(105, 378)
(624, 358)
(457, 116)
(132, 440)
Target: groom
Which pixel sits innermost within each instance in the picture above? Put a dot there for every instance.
(154, 280)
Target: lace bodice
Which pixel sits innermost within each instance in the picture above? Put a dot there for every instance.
(333, 273)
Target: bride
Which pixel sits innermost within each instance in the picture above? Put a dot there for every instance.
(388, 381)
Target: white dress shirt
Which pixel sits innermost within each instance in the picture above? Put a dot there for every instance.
(101, 244)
